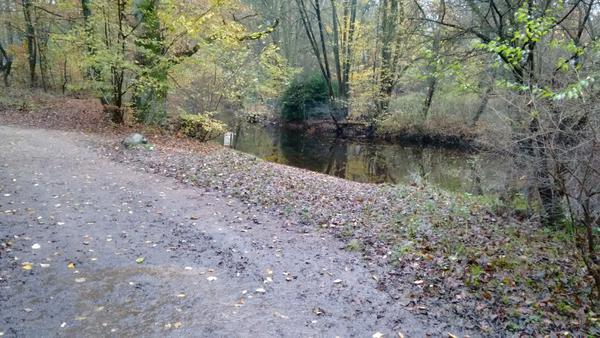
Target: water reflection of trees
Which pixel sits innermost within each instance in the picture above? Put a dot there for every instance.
(373, 163)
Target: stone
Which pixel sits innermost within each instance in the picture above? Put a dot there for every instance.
(134, 139)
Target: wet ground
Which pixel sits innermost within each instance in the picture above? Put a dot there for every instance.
(95, 248)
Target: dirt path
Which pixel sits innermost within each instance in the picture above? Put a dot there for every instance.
(204, 257)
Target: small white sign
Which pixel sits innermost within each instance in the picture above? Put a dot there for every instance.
(228, 139)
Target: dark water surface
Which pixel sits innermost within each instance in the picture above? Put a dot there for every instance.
(453, 170)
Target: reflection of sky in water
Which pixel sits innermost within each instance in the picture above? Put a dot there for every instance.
(374, 163)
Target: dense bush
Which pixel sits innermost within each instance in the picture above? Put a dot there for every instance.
(201, 126)
(303, 94)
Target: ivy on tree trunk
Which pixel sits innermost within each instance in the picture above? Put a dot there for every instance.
(151, 87)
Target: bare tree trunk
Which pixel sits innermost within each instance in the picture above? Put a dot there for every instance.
(483, 104)
(336, 50)
(550, 197)
(333, 110)
(41, 42)
(312, 39)
(86, 9)
(432, 76)
(389, 22)
(321, 54)
(65, 77)
(31, 41)
(119, 73)
(7, 9)
(429, 97)
(348, 45)
(5, 65)
(324, 47)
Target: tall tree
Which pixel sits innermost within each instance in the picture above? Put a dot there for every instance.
(151, 86)
(433, 58)
(348, 29)
(395, 32)
(31, 39)
(5, 65)
(88, 27)
(319, 48)
(343, 36)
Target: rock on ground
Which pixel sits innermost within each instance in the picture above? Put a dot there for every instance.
(134, 139)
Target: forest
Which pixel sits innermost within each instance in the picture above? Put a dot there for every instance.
(446, 88)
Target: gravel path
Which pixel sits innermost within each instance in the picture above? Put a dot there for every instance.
(90, 247)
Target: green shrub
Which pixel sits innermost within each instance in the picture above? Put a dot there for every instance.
(201, 126)
(302, 95)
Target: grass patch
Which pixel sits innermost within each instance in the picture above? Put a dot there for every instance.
(354, 246)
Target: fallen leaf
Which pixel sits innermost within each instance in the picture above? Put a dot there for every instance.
(140, 260)
(27, 266)
(71, 265)
(277, 314)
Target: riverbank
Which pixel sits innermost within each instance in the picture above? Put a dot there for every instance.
(451, 138)
(450, 253)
